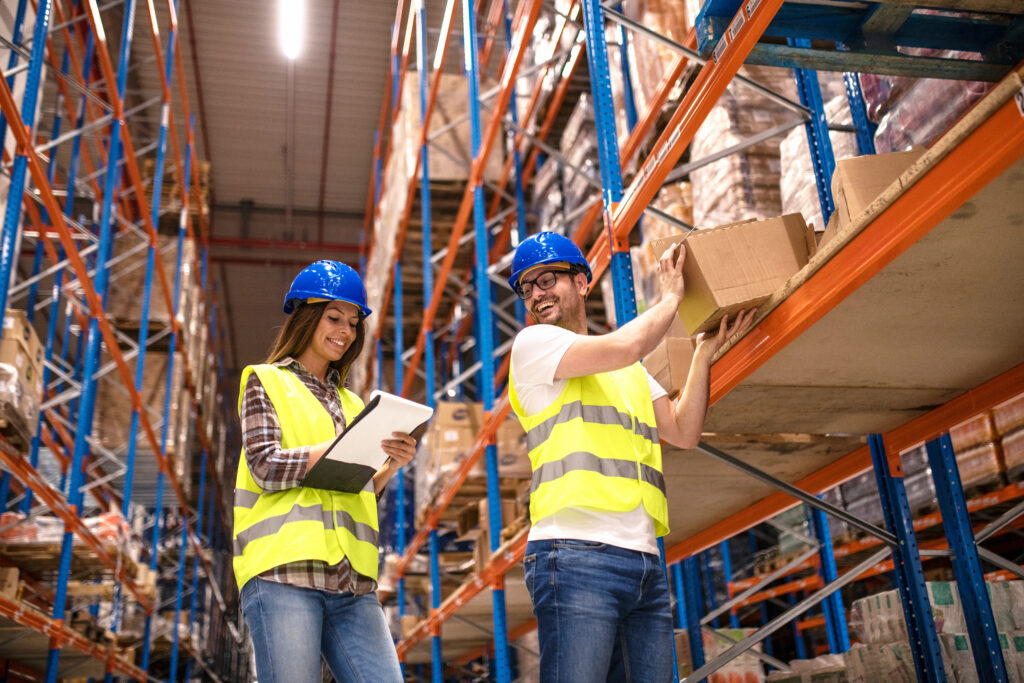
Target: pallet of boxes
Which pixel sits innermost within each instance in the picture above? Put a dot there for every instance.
(448, 442)
(884, 654)
(21, 379)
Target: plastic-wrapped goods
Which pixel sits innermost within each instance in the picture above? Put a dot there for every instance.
(873, 663)
(868, 509)
(881, 92)
(926, 110)
(19, 404)
(957, 658)
(915, 460)
(797, 186)
(746, 184)
(920, 489)
(650, 60)
(1007, 598)
(1009, 415)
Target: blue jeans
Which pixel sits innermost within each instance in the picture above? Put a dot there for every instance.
(292, 627)
(603, 612)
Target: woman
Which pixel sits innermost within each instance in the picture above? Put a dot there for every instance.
(306, 559)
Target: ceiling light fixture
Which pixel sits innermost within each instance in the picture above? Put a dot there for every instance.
(291, 21)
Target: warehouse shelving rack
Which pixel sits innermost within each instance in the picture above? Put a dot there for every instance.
(984, 152)
(83, 255)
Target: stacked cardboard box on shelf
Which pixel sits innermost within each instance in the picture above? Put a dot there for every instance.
(449, 440)
(21, 377)
(738, 266)
(650, 60)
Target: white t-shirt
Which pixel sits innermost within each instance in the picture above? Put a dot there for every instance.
(536, 353)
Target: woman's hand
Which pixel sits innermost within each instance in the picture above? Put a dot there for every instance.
(400, 450)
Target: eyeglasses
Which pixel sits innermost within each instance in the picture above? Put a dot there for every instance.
(544, 281)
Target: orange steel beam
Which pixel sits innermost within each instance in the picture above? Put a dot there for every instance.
(526, 17)
(494, 572)
(924, 428)
(492, 25)
(933, 519)
(17, 465)
(881, 568)
(60, 634)
(710, 83)
(518, 632)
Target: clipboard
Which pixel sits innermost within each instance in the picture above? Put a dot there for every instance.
(355, 455)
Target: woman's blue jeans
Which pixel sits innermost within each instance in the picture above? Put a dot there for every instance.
(603, 612)
(292, 627)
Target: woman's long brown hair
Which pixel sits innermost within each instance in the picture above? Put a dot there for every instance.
(297, 334)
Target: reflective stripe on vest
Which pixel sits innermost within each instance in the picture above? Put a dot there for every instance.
(609, 467)
(315, 513)
(604, 415)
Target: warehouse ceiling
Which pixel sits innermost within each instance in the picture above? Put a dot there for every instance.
(290, 145)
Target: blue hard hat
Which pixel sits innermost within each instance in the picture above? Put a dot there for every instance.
(327, 280)
(546, 247)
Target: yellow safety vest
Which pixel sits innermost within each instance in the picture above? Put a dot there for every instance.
(596, 446)
(273, 528)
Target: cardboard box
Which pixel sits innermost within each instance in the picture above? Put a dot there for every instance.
(669, 362)
(453, 431)
(858, 181)
(738, 266)
(20, 346)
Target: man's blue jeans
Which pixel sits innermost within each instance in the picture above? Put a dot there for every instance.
(603, 612)
(292, 627)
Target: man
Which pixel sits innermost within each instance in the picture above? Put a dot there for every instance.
(593, 419)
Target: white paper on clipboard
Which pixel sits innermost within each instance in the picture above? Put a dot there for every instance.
(384, 413)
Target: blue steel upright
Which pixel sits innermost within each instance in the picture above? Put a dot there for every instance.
(823, 159)
(924, 639)
(970, 579)
(485, 340)
(692, 602)
(172, 344)
(608, 152)
(835, 617)
(858, 110)
(19, 171)
(517, 165)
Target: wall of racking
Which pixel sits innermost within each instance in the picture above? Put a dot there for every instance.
(459, 350)
(114, 539)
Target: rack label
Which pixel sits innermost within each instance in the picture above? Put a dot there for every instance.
(723, 42)
(752, 6)
(1019, 99)
(737, 23)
